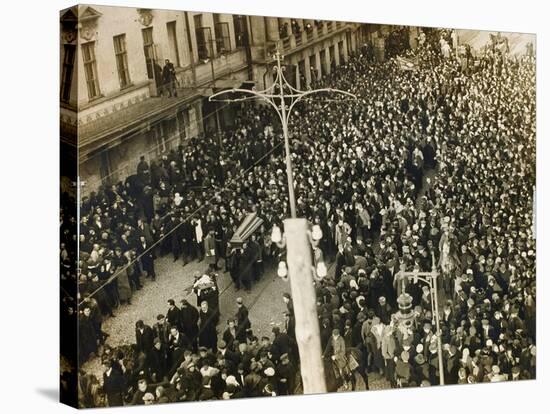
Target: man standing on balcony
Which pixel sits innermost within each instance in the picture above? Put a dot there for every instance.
(169, 79)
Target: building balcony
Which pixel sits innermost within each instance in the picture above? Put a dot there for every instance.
(310, 35)
(287, 43)
(107, 118)
(299, 40)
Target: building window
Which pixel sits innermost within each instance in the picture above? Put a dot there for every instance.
(221, 31)
(149, 50)
(203, 36)
(90, 69)
(67, 72)
(121, 56)
(173, 42)
(239, 25)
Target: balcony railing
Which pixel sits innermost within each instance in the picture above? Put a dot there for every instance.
(286, 43)
(298, 38)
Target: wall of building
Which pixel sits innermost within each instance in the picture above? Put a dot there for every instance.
(120, 159)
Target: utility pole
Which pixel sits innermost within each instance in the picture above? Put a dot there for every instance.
(308, 337)
(297, 234)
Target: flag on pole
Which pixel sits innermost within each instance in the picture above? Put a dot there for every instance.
(405, 63)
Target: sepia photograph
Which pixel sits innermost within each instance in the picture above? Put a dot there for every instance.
(257, 206)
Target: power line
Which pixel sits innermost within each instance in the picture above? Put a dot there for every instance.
(192, 214)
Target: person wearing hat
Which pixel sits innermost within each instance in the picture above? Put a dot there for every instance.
(143, 389)
(336, 351)
(230, 358)
(114, 383)
(286, 375)
(269, 379)
(403, 370)
(421, 369)
(433, 362)
(233, 388)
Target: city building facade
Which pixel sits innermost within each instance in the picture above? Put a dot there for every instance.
(118, 109)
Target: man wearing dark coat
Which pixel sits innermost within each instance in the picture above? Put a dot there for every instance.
(173, 314)
(208, 336)
(169, 78)
(146, 257)
(189, 318)
(157, 362)
(162, 329)
(290, 325)
(243, 323)
(286, 374)
(178, 343)
(187, 235)
(144, 338)
(114, 383)
(87, 335)
(281, 344)
(245, 266)
(231, 358)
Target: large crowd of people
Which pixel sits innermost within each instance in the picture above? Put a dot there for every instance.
(436, 163)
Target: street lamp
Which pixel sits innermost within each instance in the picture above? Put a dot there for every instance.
(298, 237)
(276, 98)
(404, 300)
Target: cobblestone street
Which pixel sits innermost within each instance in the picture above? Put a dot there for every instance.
(174, 281)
